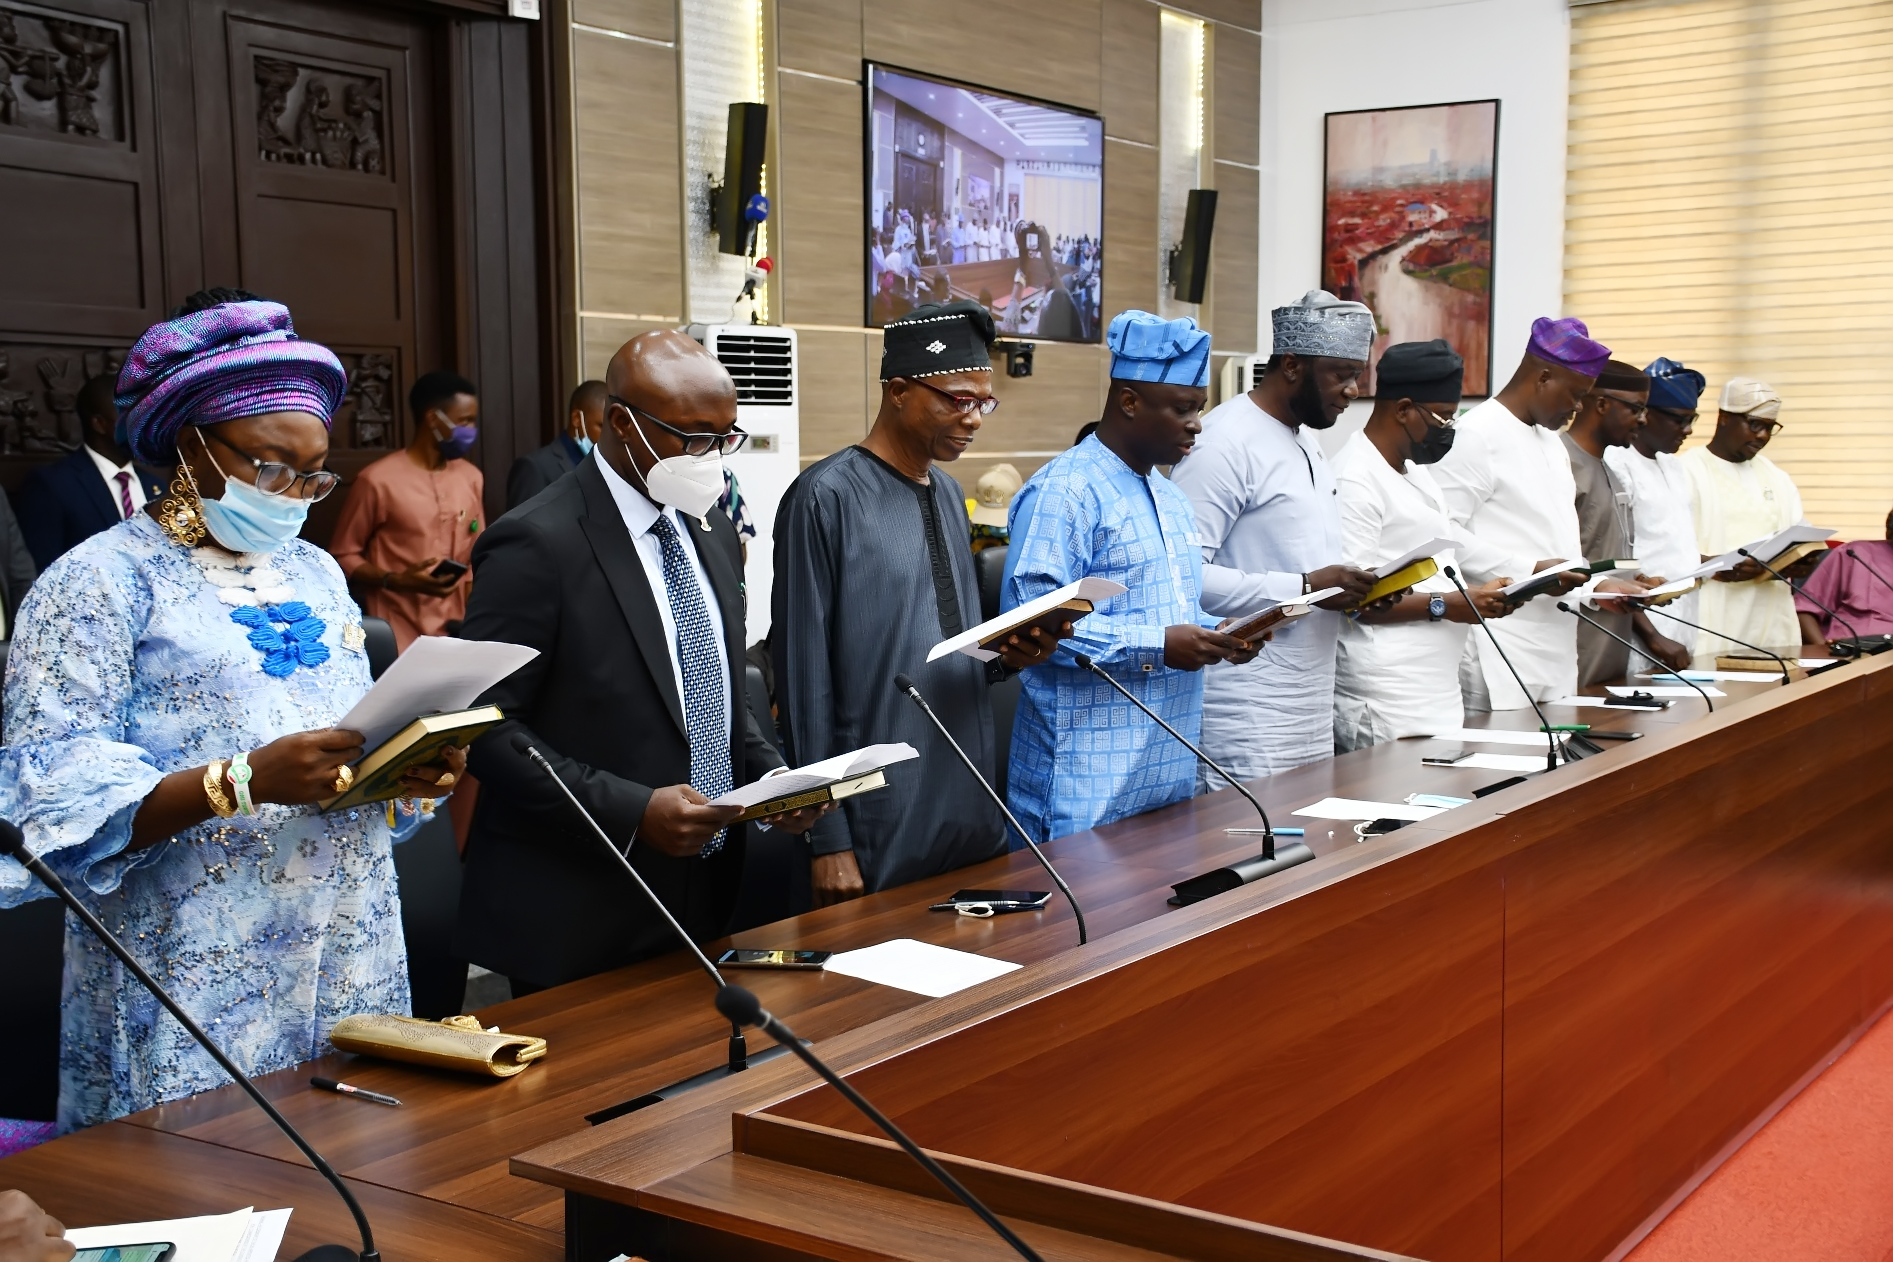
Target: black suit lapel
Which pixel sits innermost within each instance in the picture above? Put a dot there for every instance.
(617, 557)
(103, 501)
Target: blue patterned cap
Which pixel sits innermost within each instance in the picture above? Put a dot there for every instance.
(1145, 347)
(1675, 387)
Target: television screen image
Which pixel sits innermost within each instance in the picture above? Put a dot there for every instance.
(979, 195)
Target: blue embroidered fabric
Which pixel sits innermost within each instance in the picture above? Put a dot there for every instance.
(125, 667)
(299, 643)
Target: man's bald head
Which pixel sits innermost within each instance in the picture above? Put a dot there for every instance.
(670, 375)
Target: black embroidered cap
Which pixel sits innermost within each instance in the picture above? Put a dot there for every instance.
(938, 338)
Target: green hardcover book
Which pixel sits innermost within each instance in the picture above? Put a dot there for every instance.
(378, 774)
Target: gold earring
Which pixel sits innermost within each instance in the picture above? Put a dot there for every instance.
(181, 512)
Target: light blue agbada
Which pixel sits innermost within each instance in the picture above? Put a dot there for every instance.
(1081, 754)
(127, 665)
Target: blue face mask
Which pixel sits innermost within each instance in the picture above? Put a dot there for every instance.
(244, 519)
(584, 442)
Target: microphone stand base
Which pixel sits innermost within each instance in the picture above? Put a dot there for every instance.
(1288, 853)
(330, 1253)
(1861, 645)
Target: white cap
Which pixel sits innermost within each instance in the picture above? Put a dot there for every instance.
(1745, 396)
(993, 494)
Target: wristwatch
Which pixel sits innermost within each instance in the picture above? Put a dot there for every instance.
(1435, 607)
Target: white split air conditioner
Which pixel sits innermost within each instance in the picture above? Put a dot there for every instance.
(762, 360)
(1239, 373)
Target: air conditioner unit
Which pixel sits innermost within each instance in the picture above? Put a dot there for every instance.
(762, 361)
(1239, 373)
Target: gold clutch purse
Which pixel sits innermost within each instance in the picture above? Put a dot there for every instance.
(455, 1043)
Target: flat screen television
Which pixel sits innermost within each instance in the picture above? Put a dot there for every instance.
(978, 194)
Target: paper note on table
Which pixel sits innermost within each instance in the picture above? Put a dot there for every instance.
(1495, 736)
(263, 1239)
(1677, 690)
(1580, 702)
(213, 1238)
(1710, 676)
(1354, 808)
(1503, 762)
(436, 674)
(920, 967)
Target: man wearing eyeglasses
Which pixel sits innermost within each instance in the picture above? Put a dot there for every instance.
(1739, 496)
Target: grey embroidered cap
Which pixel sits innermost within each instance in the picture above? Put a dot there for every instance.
(1321, 324)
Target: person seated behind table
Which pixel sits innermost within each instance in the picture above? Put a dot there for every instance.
(412, 509)
(535, 471)
(1396, 670)
(170, 727)
(30, 1234)
(93, 489)
(1856, 580)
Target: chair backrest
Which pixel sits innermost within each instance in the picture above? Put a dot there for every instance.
(989, 567)
(379, 643)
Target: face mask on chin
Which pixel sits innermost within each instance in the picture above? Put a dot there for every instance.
(690, 484)
(244, 519)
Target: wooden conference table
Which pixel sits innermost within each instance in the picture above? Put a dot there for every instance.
(1522, 1029)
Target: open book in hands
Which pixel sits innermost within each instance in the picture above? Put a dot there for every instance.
(1250, 627)
(1049, 613)
(829, 780)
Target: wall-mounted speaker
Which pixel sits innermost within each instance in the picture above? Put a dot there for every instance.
(1189, 261)
(737, 204)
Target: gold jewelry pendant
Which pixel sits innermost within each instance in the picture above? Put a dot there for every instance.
(181, 514)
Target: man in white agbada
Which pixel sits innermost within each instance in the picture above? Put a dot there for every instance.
(1663, 522)
(1740, 496)
(1508, 484)
(1396, 669)
(1269, 521)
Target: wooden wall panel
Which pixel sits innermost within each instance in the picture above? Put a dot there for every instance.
(820, 36)
(820, 229)
(836, 376)
(1244, 13)
(1040, 413)
(1130, 228)
(1232, 265)
(1236, 86)
(652, 19)
(1128, 45)
(603, 337)
(629, 173)
(1064, 34)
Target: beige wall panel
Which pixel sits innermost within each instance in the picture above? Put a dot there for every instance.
(822, 36)
(601, 339)
(1063, 33)
(1243, 13)
(1043, 411)
(653, 19)
(1129, 47)
(834, 398)
(1237, 86)
(1232, 264)
(1130, 228)
(628, 173)
(821, 224)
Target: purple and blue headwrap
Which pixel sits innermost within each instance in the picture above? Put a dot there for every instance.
(1568, 344)
(230, 361)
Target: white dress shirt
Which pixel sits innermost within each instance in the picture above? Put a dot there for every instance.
(640, 514)
(110, 472)
(1664, 527)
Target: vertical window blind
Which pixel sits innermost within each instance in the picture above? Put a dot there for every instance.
(1729, 203)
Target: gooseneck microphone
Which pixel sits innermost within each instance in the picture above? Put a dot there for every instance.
(1856, 558)
(1551, 737)
(1844, 647)
(1786, 677)
(743, 1008)
(739, 1046)
(907, 686)
(1596, 625)
(1273, 859)
(13, 845)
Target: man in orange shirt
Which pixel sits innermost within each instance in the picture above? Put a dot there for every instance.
(414, 510)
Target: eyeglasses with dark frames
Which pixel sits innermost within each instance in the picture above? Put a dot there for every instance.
(966, 403)
(1762, 426)
(276, 478)
(695, 444)
(1636, 409)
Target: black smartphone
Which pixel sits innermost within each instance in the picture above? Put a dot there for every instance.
(998, 900)
(127, 1253)
(1638, 701)
(744, 957)
(1447, 757)
(1598, 734)
(449, 568)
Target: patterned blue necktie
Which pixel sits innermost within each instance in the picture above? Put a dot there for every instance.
(702, 660)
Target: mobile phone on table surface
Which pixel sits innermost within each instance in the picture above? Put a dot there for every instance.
(449, 568)
(127, 1253)
(747, 957)
(998, 900)
(1450, 757)
(1599, 734)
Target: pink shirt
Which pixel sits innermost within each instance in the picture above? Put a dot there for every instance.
(1846, 584)
(399, 513)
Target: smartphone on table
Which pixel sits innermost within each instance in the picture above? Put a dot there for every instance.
(996, 902)
(1447, 757)
(748, 957)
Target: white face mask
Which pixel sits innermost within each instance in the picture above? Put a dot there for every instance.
(690, 484)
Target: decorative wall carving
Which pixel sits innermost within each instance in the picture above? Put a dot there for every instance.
(318, 117)
(60, 74)
(39, 391)
(368, 409)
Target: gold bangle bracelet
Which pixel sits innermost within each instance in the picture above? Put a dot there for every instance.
(213, 790)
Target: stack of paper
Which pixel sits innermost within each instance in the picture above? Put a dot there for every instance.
(1356, 809)
(248, 1235)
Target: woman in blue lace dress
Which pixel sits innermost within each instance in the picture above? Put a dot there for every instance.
(171, 701)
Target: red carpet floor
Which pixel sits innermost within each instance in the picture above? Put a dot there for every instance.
(1814, 1185)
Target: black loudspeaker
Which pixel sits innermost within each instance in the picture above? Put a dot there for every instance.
(742, 177)
(1189, 261)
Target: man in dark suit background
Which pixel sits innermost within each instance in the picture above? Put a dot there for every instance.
(94, 488)
(584, 420)
(628, 581)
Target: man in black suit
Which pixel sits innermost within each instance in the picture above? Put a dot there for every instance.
(538, 470)
(93, 489)
(629, 582)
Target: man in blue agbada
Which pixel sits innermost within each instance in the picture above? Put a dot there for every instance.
(1081, 754)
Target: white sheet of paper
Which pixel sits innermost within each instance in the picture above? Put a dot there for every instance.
(212, 1238)
(1814, 663)
(436, 673)
(1673, 690)
(817, 774)
(1432, 547)
(263, 1239)
(1495, 736)
(1767, 549)
(1095, 590)
(1582, 702)
(1503, 762)
(1715, 676)
(1355, 808)
(920, 967)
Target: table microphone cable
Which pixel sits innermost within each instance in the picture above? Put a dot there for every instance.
(1566, 607)
(1551, 737)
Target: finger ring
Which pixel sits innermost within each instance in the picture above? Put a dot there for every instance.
(446, 779)
(344, 777)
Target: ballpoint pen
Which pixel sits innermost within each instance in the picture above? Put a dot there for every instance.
(343, 1088)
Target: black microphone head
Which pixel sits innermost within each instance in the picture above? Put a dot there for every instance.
(1564, 608)
(739, 1005)
(11, 842)
(1084, 662)
(904, 684)
(1449, 571)
(522, 744)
